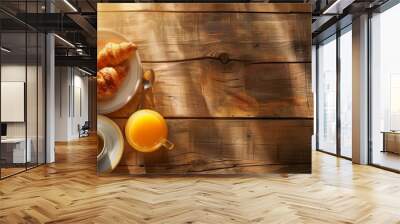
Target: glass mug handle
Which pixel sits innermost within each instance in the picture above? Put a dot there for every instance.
(167, 144)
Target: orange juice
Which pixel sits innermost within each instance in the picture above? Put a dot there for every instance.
(147, 131)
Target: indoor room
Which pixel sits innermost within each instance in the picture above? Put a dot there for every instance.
(22, 100)
(248, 111)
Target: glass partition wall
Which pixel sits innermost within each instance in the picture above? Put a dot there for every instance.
(334, 93)
(22, 98)
(385, 89)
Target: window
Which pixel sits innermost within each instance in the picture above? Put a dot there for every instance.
(385, 88)
(326, 94)
(346, 92)
(333, 106)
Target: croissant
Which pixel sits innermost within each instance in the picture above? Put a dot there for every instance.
(108, 81)
(113, 54)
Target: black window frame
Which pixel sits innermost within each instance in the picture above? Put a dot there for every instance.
(347, 27)
(31, 30)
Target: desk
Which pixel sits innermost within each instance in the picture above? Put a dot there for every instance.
(391, 141)
(13, 150)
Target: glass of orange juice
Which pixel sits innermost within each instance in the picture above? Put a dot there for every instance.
(147, 131)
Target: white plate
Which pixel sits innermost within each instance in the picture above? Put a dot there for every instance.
(131, 82)
(113, 148)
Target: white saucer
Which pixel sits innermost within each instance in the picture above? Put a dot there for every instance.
(113, 148)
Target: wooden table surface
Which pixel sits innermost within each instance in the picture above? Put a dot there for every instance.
(233, 81)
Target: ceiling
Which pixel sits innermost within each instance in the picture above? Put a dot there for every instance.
(76, 22)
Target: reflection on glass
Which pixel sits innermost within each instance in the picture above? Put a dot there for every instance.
(327, 96)
(385, 92)
(23, 82)
(41, 99)
(346, 94)
(31, 99)
(14, 153)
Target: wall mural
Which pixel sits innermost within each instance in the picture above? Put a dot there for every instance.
(219, 88)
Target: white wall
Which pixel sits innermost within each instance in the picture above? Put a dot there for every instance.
(34, 125)
(80, 84)
(16, 73)
(12, 73)
(70, 84)
(61, 103)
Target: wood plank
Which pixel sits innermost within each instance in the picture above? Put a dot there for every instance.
(168, 36)
(215, 168)
(209, 7)
(226, 146)
(208, 88)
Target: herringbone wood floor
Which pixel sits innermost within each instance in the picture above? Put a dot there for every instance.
(70, 192)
